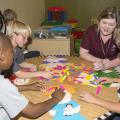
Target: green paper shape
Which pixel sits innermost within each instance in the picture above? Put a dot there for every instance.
(107, 84)
(112, 74)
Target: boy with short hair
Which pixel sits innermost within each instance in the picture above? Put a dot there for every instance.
(11, 101)
(19, 33)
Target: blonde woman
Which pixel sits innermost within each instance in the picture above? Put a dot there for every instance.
(99, 42)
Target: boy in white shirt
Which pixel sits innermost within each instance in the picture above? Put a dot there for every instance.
(11, 101)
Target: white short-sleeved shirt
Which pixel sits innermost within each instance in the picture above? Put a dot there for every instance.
(11, 101)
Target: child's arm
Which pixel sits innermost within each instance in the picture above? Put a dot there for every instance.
(28, 65)
(22, 74)
(112, 106)
(36, 110)
(34, 86)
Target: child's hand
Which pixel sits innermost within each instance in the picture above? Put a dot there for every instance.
(99, 65)
(37, 86)
(33, 68)
(58, 94)
(88, 97)
(46, 75)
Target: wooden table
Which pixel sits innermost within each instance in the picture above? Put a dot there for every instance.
(91, 111)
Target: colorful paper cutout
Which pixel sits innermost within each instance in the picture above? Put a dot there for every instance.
(67, 109)
(98, 89)
(107, 84)
(53, 59)
(111, 74)
(76, 73)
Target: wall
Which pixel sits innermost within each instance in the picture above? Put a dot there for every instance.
(82, 10)
(29, 11)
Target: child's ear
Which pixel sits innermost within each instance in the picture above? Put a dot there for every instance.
(14, 35)
(2, 57)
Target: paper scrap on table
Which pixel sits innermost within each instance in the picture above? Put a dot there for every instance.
(98, 89)
(54, 59)
(19, 81)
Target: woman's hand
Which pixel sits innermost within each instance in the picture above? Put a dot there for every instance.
(107, 63)
(98, 65)
(88, 97)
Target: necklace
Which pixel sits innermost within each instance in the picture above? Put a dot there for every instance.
(105, 52)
